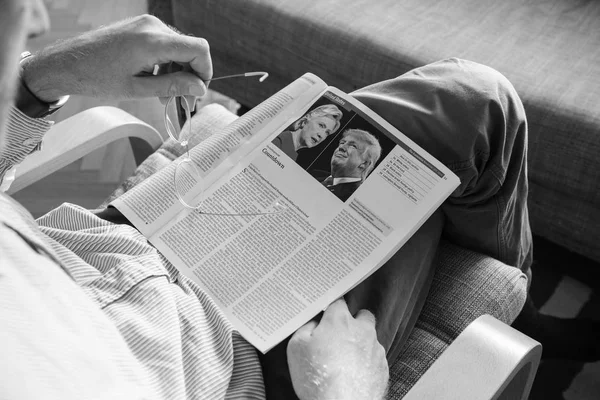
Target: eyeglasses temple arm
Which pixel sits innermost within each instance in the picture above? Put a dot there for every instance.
(181, 114)
(263, 75)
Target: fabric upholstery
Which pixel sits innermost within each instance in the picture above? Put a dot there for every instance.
(548, 49)
(465, 286)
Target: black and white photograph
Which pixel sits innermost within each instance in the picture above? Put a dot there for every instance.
(337, 146)
(137, 261)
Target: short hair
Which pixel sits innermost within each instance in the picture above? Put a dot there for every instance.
(371, 153)
(327, 110)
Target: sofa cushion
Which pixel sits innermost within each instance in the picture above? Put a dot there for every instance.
(547, 48)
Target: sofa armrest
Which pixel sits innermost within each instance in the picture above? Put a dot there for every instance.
(207, 121)
(488, 360)
(79, 135)
(466, 285)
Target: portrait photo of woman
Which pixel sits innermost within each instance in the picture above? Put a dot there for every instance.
(310, 130)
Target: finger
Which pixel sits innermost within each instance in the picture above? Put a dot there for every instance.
(336, 310)
(176, 84)
(185, 49)
(191, 101)
(305, 331)
(366, 316)
(169, 68)
(188, 102)
(162, 69)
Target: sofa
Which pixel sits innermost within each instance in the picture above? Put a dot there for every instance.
(548, 49)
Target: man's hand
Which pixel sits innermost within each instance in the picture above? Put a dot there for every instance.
(117, 61)
(339, 357)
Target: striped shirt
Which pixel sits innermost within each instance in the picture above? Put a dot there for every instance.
(91, 310)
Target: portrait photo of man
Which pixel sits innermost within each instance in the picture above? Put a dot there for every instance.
(352, 161)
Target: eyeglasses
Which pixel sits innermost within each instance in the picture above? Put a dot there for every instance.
(187, 174)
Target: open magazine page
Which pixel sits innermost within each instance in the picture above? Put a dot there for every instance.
(154, 202)
(272, 273)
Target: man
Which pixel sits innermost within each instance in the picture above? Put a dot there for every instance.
(108, 317)
(352, 161)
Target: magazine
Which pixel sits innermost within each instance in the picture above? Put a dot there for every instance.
(277, 237)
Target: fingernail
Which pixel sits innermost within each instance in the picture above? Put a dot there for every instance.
(198, 90)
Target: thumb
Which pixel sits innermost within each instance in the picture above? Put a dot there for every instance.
(175, 84)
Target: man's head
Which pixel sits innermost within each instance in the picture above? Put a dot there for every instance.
(356, 155)
(316, 125)
(19, 20)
